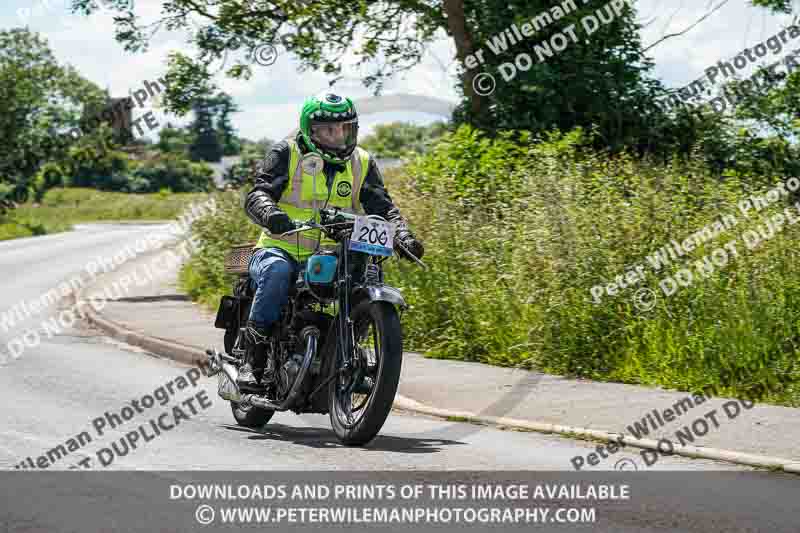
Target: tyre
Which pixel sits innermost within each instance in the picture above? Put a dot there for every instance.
(251, 416)
(360, 403)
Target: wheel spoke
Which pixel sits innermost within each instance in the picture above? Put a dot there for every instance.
(352, 404)
(376, 340)
(358, 413)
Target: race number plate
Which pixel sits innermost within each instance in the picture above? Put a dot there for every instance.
(371, 236)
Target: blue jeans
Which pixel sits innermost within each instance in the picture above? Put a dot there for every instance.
(272, 272)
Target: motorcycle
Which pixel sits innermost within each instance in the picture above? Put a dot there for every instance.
(338, 348)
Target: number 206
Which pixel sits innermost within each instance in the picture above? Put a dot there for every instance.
(372, 236)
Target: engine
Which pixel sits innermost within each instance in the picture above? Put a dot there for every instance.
(287, 373)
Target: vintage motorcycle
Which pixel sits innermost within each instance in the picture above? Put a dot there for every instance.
(339, 346)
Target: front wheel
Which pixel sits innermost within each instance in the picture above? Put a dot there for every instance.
(360, 400)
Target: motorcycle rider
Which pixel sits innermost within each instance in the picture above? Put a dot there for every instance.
(283, 191)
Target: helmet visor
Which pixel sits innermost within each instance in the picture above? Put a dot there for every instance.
(339, 138)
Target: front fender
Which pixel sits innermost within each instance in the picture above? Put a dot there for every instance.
(380, 293)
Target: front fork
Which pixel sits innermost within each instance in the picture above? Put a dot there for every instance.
(346, 333)
(346, 326)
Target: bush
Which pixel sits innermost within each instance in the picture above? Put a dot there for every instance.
(518, 231)
(242, 174)
(96, 166)
(172, 172)
(202, 277)
(399, 139)
(49, 176)
(100, 167)
(6, 202)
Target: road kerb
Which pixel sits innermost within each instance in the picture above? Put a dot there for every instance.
(694, 452)
(189, 355)
(193, 355)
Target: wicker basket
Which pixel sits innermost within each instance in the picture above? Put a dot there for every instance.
(237, 260)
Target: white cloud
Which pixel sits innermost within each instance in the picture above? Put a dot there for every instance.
(727, 32)
(271, 100)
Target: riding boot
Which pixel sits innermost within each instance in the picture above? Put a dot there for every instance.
(257, 363)
(262, 361)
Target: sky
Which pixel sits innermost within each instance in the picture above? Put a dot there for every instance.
(271, 99)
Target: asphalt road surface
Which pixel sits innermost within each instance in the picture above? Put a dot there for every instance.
(72, 388)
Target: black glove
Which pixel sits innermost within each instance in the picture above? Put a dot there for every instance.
(410, 243)
(278, 222)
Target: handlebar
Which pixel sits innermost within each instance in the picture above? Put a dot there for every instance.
(298, 227)
(331, 214)
(334, 212)
(335, 217)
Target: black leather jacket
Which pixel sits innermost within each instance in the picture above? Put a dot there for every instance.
(272, 176)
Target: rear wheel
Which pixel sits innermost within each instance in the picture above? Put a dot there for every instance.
(361, 400)
(250, 416)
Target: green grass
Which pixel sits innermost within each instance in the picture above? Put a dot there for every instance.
(517, 234)
(202, 277)
(515, 243)
(462, 419)
(14, 229)
(61, 208)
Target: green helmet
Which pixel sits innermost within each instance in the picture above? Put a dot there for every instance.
(329, 126)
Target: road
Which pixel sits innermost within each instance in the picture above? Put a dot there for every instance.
(57, 390)
(59, 387)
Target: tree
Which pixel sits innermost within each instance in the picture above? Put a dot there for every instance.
(599, 82)
(779, 6)
(388, 36)
(205, 144)
(174, 140)
(225, 130)
(243, 172)
(39, 101)
(173, 172)
(96, 165)
(319, 33)
(397, 139)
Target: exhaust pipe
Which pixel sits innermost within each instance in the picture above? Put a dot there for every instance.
(310, 335)
(228, 374)
(227, 388)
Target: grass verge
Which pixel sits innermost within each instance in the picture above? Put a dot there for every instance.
(519, 233)
(61, 208)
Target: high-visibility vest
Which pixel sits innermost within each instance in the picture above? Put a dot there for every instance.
(298, 198)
